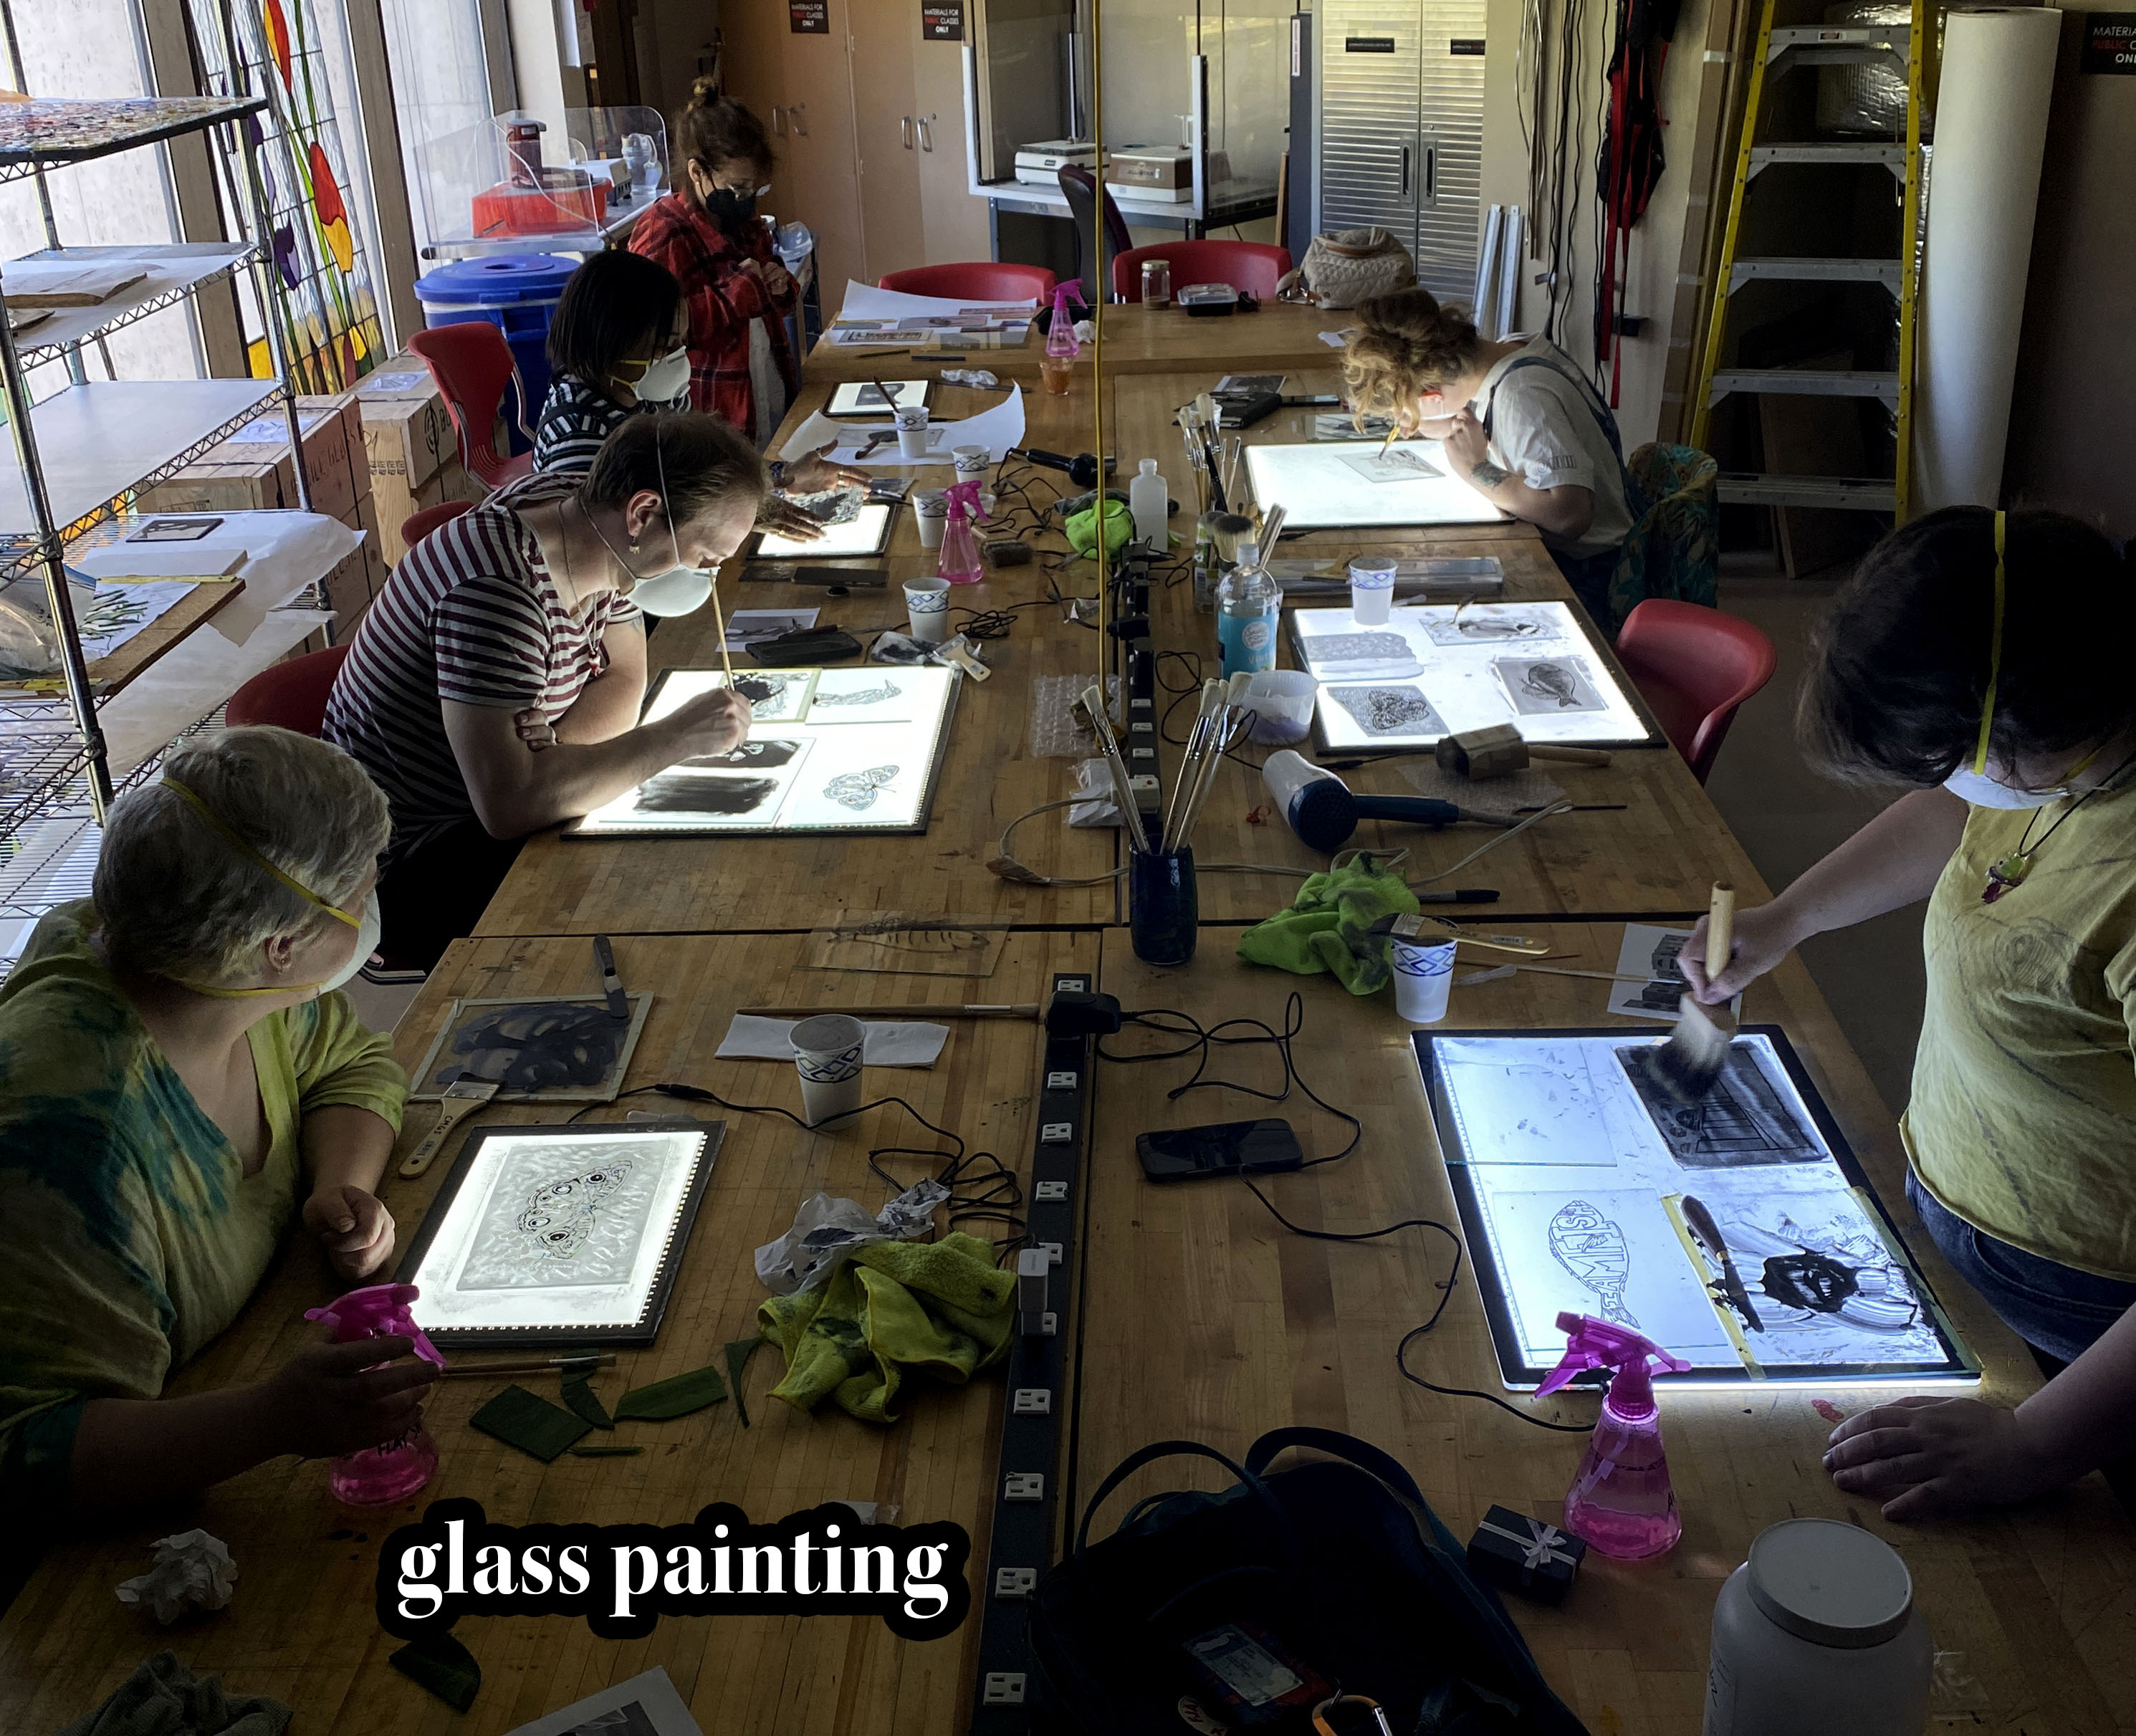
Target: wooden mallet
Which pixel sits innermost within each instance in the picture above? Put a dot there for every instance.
(1501, 751)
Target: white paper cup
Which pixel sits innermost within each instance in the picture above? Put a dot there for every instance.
(1371, 588)
(930, 512)
(912, 431)
(827, 1054)
(970, 460)
(1424, 977)
(927, 603)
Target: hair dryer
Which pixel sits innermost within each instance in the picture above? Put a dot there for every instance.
(1323, 810)
(1082, 468)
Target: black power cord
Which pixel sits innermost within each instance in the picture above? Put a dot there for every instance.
(1202, 1041)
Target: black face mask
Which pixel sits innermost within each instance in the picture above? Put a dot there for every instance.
(731, 207)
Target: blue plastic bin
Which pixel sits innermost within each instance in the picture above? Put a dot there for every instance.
(517, 292)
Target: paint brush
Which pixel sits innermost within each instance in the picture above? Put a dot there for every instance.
(719, 625)
(969, 1010)
(1684, 1067)
(538, 1365)
(618, 1003)
(1707, 1234)
(889, 397)
(1428, 927)
(1190, 763)
(1094, 702)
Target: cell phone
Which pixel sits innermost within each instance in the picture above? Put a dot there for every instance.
(1265, 1147)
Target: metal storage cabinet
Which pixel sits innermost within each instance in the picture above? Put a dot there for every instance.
(1401, 128)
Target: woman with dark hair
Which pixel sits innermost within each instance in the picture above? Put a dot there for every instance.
(1982, 661)
(1544, 447)
(494, 687)
(738, 294)
(619, 343)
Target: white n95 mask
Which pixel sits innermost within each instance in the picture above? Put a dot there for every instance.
(676, 592)
(666, 377)
(1983, 791)
(367, 931)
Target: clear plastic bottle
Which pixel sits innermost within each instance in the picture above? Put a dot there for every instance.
(1249, 607)
(1621, 1501)
(1149, 499)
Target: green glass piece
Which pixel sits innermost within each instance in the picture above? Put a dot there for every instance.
(529, 1422)
(673, 1398)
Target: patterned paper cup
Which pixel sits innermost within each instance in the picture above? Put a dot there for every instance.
(827, 1054)
(1424, 978)
(927, 602)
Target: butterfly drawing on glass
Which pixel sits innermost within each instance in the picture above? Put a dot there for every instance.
(856, 790)
(559, 1215)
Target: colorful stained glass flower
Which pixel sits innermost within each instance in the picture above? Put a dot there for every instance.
(278, 40)
(285, 254)
(333, 213)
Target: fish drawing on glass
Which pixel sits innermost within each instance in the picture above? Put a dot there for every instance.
(1548, 685)
(766, 694)
(1593, 1249)
(856, 790)
(1840, 1271)
(559, 1216)
(1552, 681)
(880, 696)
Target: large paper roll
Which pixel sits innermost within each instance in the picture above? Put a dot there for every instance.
(1991, 129)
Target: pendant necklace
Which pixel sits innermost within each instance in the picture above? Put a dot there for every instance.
(2008, 873)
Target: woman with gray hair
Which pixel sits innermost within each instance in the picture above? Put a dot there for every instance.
(181, 1078)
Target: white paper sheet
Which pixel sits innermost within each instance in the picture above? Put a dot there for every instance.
(213, 557)
(885, 1042)
(864, 301)
(997, 428)
(745, 626)
(1653, 951)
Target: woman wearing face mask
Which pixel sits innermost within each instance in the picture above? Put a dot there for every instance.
(738, 294)
(495, 685)
(183, 1081)
(1984, 662)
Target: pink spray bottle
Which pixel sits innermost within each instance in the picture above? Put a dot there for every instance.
(1061, 346)
(960, 563)
(1621, 1501)
(396, 1470)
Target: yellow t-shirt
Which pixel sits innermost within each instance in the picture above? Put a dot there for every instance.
(2023, 1118)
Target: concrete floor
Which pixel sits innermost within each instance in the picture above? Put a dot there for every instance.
(1787, 816)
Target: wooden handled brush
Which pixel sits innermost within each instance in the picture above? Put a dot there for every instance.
(1687, 1066)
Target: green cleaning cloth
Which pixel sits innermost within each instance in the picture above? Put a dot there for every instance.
(1082, 528)
(164, 1698)
(888, 1311)
(1328, 926)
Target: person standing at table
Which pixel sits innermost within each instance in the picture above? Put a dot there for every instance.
(494, 687)
(738, 293)
(1981, 662)
(184, 1084)
(1521, 426)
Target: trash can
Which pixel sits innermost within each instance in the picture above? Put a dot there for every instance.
(517, 292)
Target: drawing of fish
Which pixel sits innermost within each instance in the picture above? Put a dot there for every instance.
(1593, 1249)
(559, 1215)
(880, 696)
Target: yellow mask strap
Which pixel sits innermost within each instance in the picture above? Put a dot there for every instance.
(1994, 658)
(230, 836)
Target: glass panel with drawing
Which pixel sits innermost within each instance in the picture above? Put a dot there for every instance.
(1434, 668)
(828, 750)
(1739, 1235)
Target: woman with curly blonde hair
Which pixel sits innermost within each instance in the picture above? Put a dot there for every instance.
(1544, 447)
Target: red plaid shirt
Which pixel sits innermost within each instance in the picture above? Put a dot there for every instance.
(722, 299)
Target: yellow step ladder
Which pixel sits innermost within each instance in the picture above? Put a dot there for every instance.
(1781, 49)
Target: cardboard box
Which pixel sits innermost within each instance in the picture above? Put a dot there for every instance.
(251, 471)
(393, 504)
(353, 586)
(407, 431)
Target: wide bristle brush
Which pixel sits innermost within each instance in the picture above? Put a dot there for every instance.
(1684, 1067)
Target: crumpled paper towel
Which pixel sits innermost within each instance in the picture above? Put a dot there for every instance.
(191, 1570)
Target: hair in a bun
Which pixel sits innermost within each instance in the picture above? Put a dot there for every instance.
(715, 129)
(1406, 344)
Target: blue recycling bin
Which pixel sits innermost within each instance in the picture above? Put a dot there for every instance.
(517, 292)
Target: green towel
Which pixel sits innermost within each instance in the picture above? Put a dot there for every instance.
(888, 1311)
(1328, 928)
(164, 1698)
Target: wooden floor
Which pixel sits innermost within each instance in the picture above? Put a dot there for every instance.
(1199, 1317)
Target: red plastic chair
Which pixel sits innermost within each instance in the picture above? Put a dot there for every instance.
(980, 280)
(1254, 267)
(472, 364)
(292, 695)
(1694, 667)
(416, 525)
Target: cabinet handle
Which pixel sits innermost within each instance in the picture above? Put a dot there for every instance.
(905, 128)
(1431, 171)
(1404, 184)
(927, 131)
(779, 120)
(795, 113)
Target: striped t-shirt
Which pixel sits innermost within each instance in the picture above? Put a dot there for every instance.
(576, 419)
(470, 615)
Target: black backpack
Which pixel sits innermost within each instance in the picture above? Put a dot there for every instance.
(1342, 1562)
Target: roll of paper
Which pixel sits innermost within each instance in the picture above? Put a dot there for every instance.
(1991, 129)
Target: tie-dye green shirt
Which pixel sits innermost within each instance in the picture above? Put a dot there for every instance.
(130, 1233)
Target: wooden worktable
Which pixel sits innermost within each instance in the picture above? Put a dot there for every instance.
(301, 1627)
(1138, 339)
(1260, 1328)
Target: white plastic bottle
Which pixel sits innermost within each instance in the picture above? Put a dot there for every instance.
(1249, 606)
(1150, 502)
(1817, 1631)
